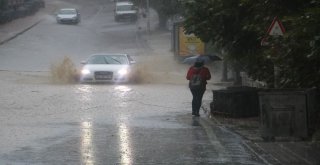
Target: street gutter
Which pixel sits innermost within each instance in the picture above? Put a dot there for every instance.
(209, 119)
(19, 33)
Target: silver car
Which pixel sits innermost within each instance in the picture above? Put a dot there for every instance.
(68, 15)
(115, 68)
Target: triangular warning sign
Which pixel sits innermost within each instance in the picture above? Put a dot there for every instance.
(276, 28)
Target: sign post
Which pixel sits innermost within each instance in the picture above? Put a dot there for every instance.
(276, 29)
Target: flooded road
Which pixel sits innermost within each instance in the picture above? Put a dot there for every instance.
(46, 123)
(46, 120)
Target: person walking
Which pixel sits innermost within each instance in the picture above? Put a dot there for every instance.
(197, 75)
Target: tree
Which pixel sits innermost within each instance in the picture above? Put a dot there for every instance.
(237, 26)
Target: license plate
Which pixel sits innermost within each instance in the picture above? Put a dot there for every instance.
(103, 76)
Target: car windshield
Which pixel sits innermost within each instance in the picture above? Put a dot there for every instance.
(125, 7)
(108, 59)
(67, 12)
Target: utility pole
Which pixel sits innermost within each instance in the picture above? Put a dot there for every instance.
(148, 17)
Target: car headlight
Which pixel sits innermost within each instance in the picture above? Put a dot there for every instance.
(85, 71)
(123, 72)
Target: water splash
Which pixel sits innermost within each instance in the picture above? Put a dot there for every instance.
(64, 72)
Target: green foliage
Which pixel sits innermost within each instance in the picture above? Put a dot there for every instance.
(238, 26)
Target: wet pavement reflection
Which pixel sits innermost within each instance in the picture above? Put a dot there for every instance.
(85, 92)
(195, 121)
(125, 144)
(87, 143)
(122, 93)
(124, 124)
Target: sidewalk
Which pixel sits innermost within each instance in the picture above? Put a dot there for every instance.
(283, 151)
(16, 27)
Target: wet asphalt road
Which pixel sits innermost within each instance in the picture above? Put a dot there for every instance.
(144, 123)
(43, 123)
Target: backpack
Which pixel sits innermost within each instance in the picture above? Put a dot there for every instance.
(196, 81)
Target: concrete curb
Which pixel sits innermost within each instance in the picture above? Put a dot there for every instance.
(271, 153)
(19, 33)
(253, 147)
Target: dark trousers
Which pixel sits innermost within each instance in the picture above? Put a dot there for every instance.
(197, 95)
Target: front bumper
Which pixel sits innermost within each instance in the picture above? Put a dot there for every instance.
(67, 20)
(126, 16)
(109, 77)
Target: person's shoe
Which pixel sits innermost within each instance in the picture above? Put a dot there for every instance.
(197, 115)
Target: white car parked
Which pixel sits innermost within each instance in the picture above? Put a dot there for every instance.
(115, 68)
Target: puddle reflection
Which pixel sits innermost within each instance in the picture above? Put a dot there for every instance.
(122, 88)
(195, 121)
(122, 92)
(86, 143)
(125, 149)
(86, 93)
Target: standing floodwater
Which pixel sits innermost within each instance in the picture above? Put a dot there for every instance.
(47, 117)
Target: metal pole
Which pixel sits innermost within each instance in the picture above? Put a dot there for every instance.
(276, 69)
(276, 76)
(148, 17)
